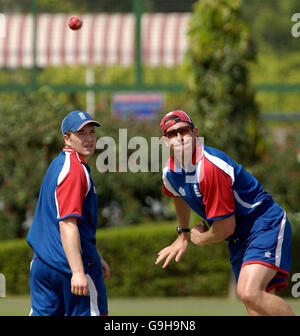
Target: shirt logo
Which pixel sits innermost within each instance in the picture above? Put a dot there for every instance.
(181, 191)
(197, 192)
(268, 254)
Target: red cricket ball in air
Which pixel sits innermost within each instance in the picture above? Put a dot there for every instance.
(75, 22)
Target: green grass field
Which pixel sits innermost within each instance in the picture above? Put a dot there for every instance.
(20, 306)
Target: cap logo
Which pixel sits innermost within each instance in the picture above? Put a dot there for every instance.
(82, 116)
(177, 119)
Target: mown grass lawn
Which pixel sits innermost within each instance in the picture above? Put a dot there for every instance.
(192, 306)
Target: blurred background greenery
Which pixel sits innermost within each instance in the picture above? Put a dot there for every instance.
(225, 93)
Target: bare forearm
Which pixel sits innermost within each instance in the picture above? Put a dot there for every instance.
(183, 212)
(105, 267)
(219, 231)
(210, 237)
(179, 246)
(70, 239)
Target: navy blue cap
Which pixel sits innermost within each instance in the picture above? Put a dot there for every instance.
(75, 120)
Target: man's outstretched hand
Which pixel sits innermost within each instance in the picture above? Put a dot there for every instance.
(176, 250)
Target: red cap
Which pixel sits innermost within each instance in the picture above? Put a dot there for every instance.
(181, 116)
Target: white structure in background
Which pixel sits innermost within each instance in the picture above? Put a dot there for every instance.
(2, 25)
(104, 39)
(2, 285)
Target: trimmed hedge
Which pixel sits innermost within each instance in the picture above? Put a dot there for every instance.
(131, 253)
(15, 257)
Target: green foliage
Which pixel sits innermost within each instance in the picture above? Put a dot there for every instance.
(279, 169)
(128, 190)
(131, 253)
(29, 137)
(223, 103)
(272, 68)
(30, 129)
(15, 265)
(270, 24)
(138, 276)
(8, 226)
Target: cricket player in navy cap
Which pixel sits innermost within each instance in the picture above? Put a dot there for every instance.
(67, 272)
(235, 208)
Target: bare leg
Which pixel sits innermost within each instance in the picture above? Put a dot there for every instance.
(252, 283)
(252, 312)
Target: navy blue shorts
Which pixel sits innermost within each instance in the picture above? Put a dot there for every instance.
(50, 292)
(268, 243)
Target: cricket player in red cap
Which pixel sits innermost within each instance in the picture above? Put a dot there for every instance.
(234, 207)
